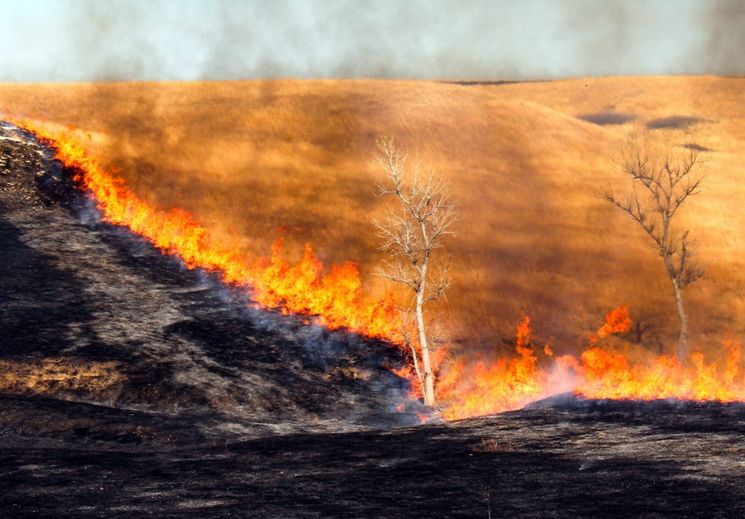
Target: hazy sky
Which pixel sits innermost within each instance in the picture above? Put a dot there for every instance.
(84, 40)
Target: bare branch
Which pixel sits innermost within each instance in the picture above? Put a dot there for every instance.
(411, 235)
(398, 273)
(660, 185)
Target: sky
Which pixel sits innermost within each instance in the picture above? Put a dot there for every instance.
(124, 40)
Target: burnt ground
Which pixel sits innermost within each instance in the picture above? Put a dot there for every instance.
(130, 386)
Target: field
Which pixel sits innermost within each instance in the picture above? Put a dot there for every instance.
(527, 162)
(131, 386)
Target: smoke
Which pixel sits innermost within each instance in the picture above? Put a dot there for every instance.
(88, 40)
(726, 36)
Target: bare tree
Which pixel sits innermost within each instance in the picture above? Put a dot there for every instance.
(410, 234)
(662, 180)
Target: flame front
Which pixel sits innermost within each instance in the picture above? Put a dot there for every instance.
(479, 387)
(468, 385)
(335, 298)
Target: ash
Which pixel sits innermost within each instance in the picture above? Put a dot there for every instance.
(131, 386)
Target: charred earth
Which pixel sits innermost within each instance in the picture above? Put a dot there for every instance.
(131, 386)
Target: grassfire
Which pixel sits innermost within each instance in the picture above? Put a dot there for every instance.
(469, 384)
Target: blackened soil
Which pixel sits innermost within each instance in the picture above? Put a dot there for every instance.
(562, 459)
(123, 326)
(199, 407)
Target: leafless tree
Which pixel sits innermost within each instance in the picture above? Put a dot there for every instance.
(662, 179)
(410, 233)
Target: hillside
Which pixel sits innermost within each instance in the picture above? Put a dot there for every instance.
(253, 160)
(93, 314)
(131, 385)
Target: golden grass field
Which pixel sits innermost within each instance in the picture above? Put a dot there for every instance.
(255, 159)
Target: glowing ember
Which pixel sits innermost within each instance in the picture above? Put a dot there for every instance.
(469, 385)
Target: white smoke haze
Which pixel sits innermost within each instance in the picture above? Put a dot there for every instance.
(91, 40)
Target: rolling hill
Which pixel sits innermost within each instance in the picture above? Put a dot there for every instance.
(528, 161)
(130, 384)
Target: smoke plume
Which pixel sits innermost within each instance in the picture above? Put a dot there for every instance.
(86, 40)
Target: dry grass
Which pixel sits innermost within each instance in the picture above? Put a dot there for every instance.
(252, 159)
(58, 377)
(490, 445)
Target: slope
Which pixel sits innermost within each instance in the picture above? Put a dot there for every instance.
(92, 314)
(253, 160)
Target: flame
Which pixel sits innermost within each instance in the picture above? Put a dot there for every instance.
(469, 385)
(482, 387)
(608, 374)
(616, 321)
(333, 296)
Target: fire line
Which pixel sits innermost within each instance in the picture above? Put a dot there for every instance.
(468, 385)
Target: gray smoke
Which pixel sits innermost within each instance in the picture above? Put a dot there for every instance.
(726, 37)
(78, 40)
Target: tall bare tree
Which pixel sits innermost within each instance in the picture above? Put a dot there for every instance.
(662, 179)
(410, 233)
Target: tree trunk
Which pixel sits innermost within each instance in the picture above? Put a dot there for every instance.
(415, 360)
(683, 319)
(429, 383)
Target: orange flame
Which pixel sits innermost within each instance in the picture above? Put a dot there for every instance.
(607, 374)
(489, 387)
(482, 387)
(334, 297)
(616, 321)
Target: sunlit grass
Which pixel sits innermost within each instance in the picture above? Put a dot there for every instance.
(256, 159)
